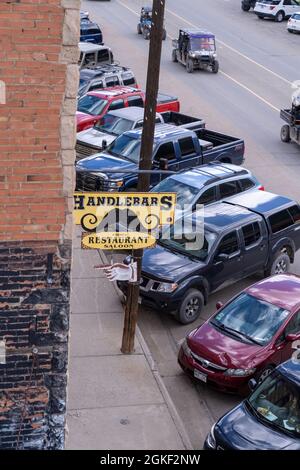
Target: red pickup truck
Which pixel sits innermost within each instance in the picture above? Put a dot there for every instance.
(95, 104)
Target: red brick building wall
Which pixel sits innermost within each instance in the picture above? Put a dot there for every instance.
(38, 55)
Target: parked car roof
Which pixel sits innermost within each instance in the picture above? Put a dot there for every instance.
(221, 216)
(197, 32)
(162, 131)
(282, 290)
(98, 71)
(207, 174)
(133, 113)
(261, 202)
(291, 370)
(114, 91)
(90, 47)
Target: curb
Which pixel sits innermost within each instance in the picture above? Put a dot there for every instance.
(160, 383)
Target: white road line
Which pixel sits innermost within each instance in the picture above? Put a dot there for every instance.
(249, 90)
(234, 50)
(222, 73)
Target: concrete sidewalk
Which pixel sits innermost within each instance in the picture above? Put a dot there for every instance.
(114, 401)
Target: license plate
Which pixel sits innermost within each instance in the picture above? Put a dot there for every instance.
(200, 376)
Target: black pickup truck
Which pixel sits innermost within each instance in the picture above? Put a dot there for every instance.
(250, 233)
(176, 148)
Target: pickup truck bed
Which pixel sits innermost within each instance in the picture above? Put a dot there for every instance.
(167, 103)
(179, 119)
(222, 147)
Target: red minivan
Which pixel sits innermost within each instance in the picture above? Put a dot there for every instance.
(95, 104)
(248, 337)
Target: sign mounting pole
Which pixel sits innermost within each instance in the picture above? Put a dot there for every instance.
(131, 309)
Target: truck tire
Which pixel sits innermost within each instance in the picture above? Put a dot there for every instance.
(280, 16)
(280, 265)
(174, 55)
(190, 307)
(245, 7)
(285, 133)
(189, 66)
(215, 67)
(261, 17)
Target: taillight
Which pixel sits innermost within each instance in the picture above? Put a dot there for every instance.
(261, 188)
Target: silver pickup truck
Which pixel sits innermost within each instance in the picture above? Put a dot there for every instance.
(117, 122)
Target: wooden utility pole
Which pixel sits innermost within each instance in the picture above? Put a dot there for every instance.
(131, 309)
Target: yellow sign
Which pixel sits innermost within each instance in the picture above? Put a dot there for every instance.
(150, 209)
(117, 240)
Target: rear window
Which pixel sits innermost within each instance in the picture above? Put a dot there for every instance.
(251, 234)
(246, 184)
(103, 56)
(186, 146)
(281, 220)
(128, 79)
(296, 16)
(135, 101)
(87, 32)
(229, 189)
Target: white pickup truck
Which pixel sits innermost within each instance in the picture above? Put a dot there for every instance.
(115, 123)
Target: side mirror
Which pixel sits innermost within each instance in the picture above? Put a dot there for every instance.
(252, 384)
(163, 164)
(222, 257)
(104, 144)
(292, 337)
(219, 305)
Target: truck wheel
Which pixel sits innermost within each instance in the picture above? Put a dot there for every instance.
(261, 17)
(280, 265)
(190, 307)
(189, 66)
(245, 7)
(215, 67)
(285, 133)
(280, 16)
(174, 56)
(139, 29)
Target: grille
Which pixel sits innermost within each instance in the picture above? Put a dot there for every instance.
(84, 150)
(207, 364)
(88, 182)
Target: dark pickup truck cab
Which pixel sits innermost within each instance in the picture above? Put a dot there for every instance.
(250, 233)
(180, 147)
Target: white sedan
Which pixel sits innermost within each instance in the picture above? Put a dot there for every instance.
(293, 25)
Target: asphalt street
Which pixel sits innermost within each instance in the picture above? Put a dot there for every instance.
(259, 61)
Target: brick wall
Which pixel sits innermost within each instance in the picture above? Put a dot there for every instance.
(38, 64)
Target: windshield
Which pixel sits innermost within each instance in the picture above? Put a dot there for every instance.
(185, 192)
(113, 125)
(126, 147)
(202, 44)
(251, 318)
(92, 105)
(276, 401)
(82, 85)
(186, 243)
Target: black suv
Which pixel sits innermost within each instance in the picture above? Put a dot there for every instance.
(105, 76)
(252, 232)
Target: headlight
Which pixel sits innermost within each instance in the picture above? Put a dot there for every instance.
(192, 54)
(115, 184)
(186, 348)
(211, 440)
(240, 372)
(167, 287)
